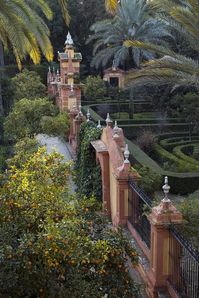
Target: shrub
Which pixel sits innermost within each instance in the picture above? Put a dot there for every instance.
(27, 84)
(150, 180)
(190, 210)
(25, 118)
(3, 155)
(52, 247)
(7, 94)
(22, 151)
(146, 141)
(56, 126)
(94, 88)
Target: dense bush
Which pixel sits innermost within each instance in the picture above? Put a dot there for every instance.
(7, 94)
(52, 246)
(146, 141)
(94, 88)
(27, 84)
(150, 180)
(187, 106)
(57, 125)
(88, 173)
(3, 155)
(190, 210)
(25, 118)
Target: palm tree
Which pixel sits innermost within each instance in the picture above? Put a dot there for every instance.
(174, 68)
(132, 21)
(111, 6)
(24, 31)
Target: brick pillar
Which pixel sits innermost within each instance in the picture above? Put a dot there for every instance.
(122, 200)
(73, 113)
(104, 163)
(161, 216)
(122, 177)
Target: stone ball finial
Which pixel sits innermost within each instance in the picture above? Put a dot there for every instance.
(166, 189)
(99, 124)
(126, 154)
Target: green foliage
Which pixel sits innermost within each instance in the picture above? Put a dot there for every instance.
(25, 118)
(189, 208)
(181, 183)
(187, 106)
(150, 180)
(52, 246)
(94, 88)
(22, 151)
(27, 84)
(3, 155)
(88, 175)
(57, 125)
(132, 21)
(7, 93)
(146, 141)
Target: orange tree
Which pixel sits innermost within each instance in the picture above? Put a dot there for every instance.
(55, 245)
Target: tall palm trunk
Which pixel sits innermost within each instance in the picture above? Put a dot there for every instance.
(1, 74)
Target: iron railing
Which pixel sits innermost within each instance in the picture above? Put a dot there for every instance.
(138, 202)
(184, 265)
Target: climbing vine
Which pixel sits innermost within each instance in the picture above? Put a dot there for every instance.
(87, 172)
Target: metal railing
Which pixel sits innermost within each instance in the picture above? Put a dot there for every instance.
(138, 203)
(183, 264)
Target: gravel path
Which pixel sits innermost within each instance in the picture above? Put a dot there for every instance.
(58, 145)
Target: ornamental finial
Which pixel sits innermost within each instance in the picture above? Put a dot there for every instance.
(99, 124)
(126, 154)
(88, 115)
(69, 41)
(80, 110)
(166, 189)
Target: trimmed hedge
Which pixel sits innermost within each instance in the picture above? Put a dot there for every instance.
(182, 164)
(178, 152)
(181, 183)
(133, 130)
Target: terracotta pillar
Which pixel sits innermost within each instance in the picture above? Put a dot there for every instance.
(104, 163)
(122, 177)
(122, 200)
(160, 217)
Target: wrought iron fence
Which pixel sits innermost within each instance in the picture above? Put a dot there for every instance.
(184, 265)
(138, 203)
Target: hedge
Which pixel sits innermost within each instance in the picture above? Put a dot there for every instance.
(181, 183)
(183, 165)
(133, 130)
(178, 152)
(170, 143)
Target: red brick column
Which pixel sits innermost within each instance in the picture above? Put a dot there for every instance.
(73, 113)
(104, 163)
(160, 217)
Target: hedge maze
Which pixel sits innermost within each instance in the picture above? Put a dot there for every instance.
(175, 153)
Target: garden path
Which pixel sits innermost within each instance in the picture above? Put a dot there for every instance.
(60, 146)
